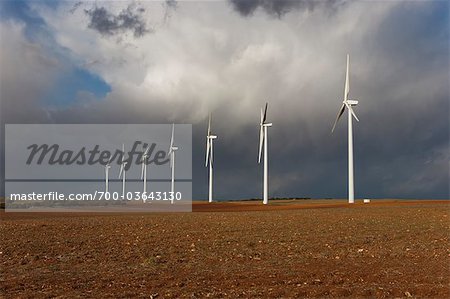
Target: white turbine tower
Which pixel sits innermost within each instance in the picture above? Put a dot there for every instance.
(123, 171)
(172, 150)
(144, 169)
(349, 104)
(263, 141)
(107, 167)
(209, 158)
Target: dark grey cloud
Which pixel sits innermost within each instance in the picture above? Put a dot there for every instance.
(172, 4)
(279, 7)
(108, 24)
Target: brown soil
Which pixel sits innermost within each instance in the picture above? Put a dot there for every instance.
(287, 249)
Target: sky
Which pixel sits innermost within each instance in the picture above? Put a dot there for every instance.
(123, 62)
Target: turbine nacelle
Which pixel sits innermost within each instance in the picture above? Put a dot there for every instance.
(171, 154)
(352, 102)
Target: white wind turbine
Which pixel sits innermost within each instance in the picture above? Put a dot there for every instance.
(349, 104)
(172, 150)
(107, 167)
(209, 158)
(123, 171)
(263, 141)
(144, 169)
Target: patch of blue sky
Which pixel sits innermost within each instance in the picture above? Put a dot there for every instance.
(75, 80)
(73, 85)
(22, 12)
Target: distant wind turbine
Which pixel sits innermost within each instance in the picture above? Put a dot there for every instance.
(107, 167)
(349, 104)
(122, 172)
(144, 169)
(172, 150)
(263, 142)
(209, 157)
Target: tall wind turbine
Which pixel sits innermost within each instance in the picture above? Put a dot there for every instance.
(144, 169)
(209, 158)
(263, 142)
(349, 104)
(172, 150)
(107, 167)
(123, 171)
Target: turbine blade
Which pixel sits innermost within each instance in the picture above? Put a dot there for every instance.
(209, 125)
(142, 170)
(347, 79)
(265, 113)
(208, 146)
(121, 171)
(341, 111)
(261, 140)
(146, 151)
(171, 138)
(123, 152)
(353, 113)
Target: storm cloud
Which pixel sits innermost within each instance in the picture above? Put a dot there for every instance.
(279, 7)
(108, 24)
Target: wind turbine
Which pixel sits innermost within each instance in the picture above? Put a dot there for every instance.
(349, 104)
(144, 169)
(263, 141)
(123, 171)
(209, 158)
(107, 167)
(172, 150)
